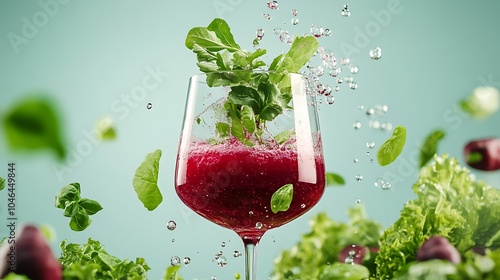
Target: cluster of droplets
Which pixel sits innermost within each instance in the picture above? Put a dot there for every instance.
(220, 259)
(176, 261)
(345, 11)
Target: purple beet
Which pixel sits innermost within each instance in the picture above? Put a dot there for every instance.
(29, 254)
(438, 247)
(483, 154)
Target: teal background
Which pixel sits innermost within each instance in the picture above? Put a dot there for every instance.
(90, 55)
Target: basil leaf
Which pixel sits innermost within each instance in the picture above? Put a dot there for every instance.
(333, 179)
(301, 51)
(2, 183)
(429, 148)
(33, 124)
(146, 181)
(80, 221)
(90, 206)
(248, 118)
(71, 209)
(282, 198)
(392, 147)
(67, 194)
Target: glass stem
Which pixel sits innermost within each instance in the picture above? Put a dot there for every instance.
(250, 260)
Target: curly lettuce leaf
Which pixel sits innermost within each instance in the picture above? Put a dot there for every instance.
(312, 257)
(449, 203)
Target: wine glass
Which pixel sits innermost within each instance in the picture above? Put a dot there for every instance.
(250, 139)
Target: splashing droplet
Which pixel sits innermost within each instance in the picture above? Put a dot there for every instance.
(175, 261)
(353, 85)
(149, 106)
(237, 254)
(250, 213)
(382, 183)
(273, 5)
(317, 30)
(267, 16)
(258, 225)
(330, 99)
(359, 178)
(260, 33)
(171, 225)
(376, 53)
(295, 21)
(223, 244)
(222, 261)
(354, 69)
(328, 32)
(295, 12)
(345, 11)
(370, 145)
(302, 206)
(358, 200)
(345, 61)
(357, 125)
(356, 160)
(186, 260)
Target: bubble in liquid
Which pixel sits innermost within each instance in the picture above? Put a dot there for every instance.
(317, 30)
(273, 5)
(186, 260)
(258, 225)
(295, 12)
(149, 106)
(237, 254)
(175, 261)
(302, 206)
(260, 33)
(328, 32)
(376, 53)
(250, 213)
(359, 178)
(171, 225)
(267, 16)
(354, 69)
(295, 21)
(330, 99)
(357, 125)
(370, 145)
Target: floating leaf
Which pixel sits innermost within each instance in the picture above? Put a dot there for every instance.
(282, 198)
(392, 147)
(146, 181)
(2, 183)
(429, 148)
(90, 206)
(333, 179)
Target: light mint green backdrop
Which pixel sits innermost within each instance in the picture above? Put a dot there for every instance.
(90, 57)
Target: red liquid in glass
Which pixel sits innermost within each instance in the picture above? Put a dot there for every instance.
(231, 184)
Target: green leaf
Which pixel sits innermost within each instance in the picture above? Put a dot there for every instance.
(243, 95)
(67, 194)
(172, 273)
(33, 124)
(270, 112)
(13, 276)
(106, 129)
(146, 181)
(284, 136)
(282, 198)
(474, 157)
(301, 51)
(248, 118)
(392, 147)
(80, 221)
(90, 206)
(223, 32)
(209, 39)
(344, 271)
(482, 102)
(2, 183)
(333, 179)
(429, 148)
(223, 130)
(71, 209)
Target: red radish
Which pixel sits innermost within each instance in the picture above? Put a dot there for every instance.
(483, 154)
(438, 247)
(29, 254)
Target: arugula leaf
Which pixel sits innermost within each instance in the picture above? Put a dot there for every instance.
(301, 51)
(91, 261)
(223, 32)
(2, 183)
(333, 179)
(146, 181)
(76, 208)
(282, 198)
(429, 148)
(209, 40)
(172, 273)
(392, 147)
(33, 124)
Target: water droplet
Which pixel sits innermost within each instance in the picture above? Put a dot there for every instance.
(223, 244)
(258, 225)
(370, 112)
(260, 33)
(186, 260)
(340, 80)
(382, 183)
(336, 88)
(359, 178)
(295, 12)
(367, 154)
(295, 21)
(250, 213)
(302, 206)
(357, 125)
(370, 145)
(175, 261)
(171, 225)
(317, 30)
(344, 61)
(213, 278)
(237, 254)
(353, 85)
(345, 11)
(273, 5)
(330, 99)
(358, 200)
(386, 126)
(375, 124)
(149, 106)
(328, 32)
(173, 240)
(356, 160)
(267, 16)
(354, 69)
(222, 261)
(328, 90)
(376, 53)
(361, 107)
(372, 161)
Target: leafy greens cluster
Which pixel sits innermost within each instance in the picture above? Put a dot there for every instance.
(257, 94)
